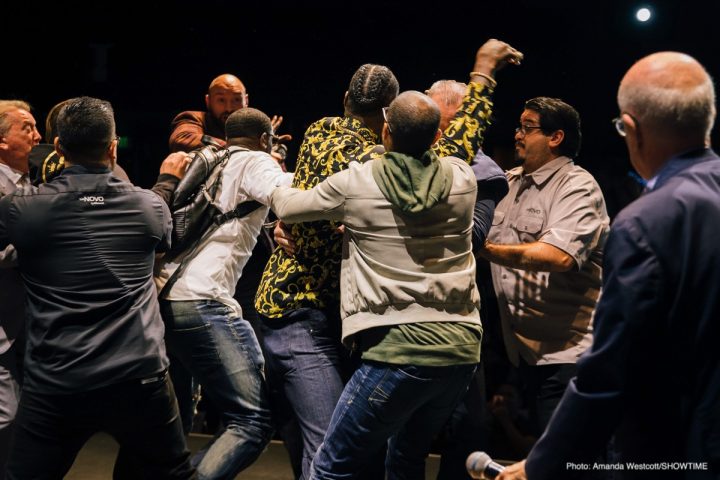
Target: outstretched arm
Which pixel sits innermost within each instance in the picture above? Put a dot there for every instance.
(464, 136)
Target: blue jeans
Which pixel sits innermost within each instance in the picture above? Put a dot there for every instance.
(305, 359)
(406, 404)
(222, 353)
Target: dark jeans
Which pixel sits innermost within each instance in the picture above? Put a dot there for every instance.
(305, 359)
(142, 415)
(466, 431)
(543, 388)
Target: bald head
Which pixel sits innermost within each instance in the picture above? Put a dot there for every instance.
(413, 120)
(226, 82)
(670, 93)
(226, 94)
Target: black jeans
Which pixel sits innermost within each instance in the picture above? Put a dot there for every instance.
(142, 415)
(544, 386)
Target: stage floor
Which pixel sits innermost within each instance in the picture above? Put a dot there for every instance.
(96, 459)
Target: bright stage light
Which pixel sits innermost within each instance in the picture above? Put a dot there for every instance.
(643, 14)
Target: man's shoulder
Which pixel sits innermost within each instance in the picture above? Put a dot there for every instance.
(189, 116)
(695, 188)
(460, 167)
(243, 159)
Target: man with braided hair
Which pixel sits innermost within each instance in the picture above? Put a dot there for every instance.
(299, 293)
(409, 303)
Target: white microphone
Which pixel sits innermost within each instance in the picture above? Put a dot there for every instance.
(480, 465)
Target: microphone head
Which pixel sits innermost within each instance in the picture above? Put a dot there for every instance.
(477, 462)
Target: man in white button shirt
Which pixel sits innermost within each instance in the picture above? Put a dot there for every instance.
(18, 134)
(205, 328)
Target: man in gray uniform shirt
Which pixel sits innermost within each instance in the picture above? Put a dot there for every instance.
(545, 246)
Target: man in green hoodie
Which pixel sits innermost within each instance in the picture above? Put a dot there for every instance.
(408, 297)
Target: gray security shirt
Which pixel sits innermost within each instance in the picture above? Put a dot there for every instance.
(546, 317)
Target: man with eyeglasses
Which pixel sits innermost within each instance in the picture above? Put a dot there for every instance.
(545, 248)
(206, 328)
(652, 376)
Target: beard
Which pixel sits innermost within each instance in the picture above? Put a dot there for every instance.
(518, 158)
(223, 117)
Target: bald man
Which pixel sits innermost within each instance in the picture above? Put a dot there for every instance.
(409, 303)
(225, 95)
(652, 375)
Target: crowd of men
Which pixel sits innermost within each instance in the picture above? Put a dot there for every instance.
(358, 336)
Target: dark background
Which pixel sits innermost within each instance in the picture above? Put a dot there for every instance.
(155, 59)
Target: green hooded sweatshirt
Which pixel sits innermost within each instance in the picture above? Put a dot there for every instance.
(413, 185)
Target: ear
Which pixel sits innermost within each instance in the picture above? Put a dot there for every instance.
(386, 138)
(112, 153)
(58, 148)
(246, 102)
(3, 144)
(438, 134)
(345, 99)
(633, 134)
(556, 138)
(207, 101)
(265, 142)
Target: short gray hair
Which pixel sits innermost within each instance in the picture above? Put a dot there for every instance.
(7, 106)
(449, 92)
(671, 109)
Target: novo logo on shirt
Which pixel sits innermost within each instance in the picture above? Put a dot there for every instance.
(93, 199)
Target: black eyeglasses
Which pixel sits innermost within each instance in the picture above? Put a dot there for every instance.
(523, 129)
(384, 110)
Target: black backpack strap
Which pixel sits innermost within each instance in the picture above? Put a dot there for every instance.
(242, 209)
(239, 211)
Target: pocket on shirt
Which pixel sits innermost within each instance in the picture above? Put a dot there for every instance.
(498, 218)
(529, 228)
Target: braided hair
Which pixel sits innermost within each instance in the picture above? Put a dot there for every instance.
(372, 87)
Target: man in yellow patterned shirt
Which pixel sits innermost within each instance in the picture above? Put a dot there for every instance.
(299, 294)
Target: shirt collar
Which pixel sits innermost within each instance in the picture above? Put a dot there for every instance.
(82, 169)
(19, 179)
(677, 164)
(356, 126)
(542, 174)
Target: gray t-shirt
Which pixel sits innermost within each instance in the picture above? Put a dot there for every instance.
(546, 316)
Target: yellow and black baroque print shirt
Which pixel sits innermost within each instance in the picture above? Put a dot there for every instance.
(311, 277)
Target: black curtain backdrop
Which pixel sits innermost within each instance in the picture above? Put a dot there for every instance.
(155, 59)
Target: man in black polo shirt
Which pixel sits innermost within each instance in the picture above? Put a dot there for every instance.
(95, 357)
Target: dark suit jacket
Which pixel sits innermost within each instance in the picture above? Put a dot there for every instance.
(652, 376)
